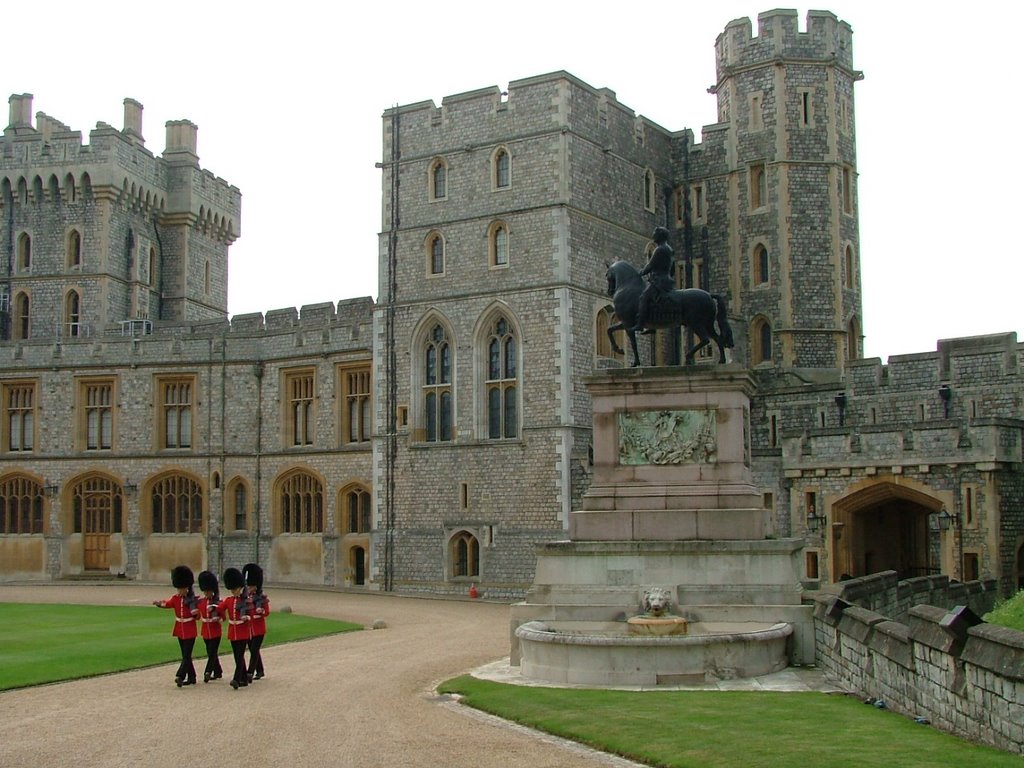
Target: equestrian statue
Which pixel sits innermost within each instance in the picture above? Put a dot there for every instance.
(642, 309)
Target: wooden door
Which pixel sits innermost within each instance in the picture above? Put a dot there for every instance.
(97, 509)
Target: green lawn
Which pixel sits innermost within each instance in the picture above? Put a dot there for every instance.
(712, 729)
(49, 643)
(1008, 613)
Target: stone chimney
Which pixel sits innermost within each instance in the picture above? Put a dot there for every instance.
(181, 141)
(133, 120)
(21, 110)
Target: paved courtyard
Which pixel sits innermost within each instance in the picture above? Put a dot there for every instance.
(357, 699)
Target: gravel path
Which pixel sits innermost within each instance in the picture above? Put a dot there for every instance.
(357, 699)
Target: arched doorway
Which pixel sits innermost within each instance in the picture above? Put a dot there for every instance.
(885, 526)
(97, 511)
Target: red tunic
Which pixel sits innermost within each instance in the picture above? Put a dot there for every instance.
(209, 622)
(184, 617)
(258, 625)
(238, 625)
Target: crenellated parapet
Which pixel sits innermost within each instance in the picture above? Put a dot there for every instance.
(779, 39)
(548, 103)
(287, 333)
(48, 161)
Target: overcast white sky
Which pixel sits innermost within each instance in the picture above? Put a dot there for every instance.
(288, 98)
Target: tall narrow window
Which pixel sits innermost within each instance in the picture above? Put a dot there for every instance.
(853, 340)
(465, 555)
(301, 500)
(501, 382)
(300, 422)
(72, 316)
(437, 386)
(74, 257)
(98, 414)
(176, 405)
(240, 506)
(649, 191)
(24, 252)
(847, 189)
(435, 254)
(760, 265)
(19, 415)
(206, 279)
(697, 202)
(756, 113)
(502, 169)
(499, 244)
(805, 108)
(20, 326)
(758, 186)
(355, 391)
(177, 505)
(848, 259)
(357, 511)
(438, 180)
(762, 341)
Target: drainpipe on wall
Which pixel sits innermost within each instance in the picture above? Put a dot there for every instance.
(258, 501)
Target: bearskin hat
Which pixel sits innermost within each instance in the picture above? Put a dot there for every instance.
(253, 576)
(208, 581)
(182, 578)
(233, 578)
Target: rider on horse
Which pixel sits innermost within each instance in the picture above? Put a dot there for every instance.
(660, 268)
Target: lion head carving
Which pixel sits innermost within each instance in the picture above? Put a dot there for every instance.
(657, 601)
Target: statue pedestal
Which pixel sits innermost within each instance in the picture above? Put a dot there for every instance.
(671, 458)
(671, 504)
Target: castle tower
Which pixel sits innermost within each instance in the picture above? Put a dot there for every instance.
(509, 208)
(776, 183)
(106, 237)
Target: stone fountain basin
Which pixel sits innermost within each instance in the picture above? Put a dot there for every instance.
(606, 654)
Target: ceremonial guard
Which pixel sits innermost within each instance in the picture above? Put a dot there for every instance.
(186, 609)
(235, 609)
(209, 624)
(258, 626)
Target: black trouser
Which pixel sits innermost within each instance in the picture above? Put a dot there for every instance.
(213, 668)
(255, 659)
(185, 670)
(238, 649)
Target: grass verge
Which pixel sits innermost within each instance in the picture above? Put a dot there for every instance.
(1008, 613)
(50, 643)
(724, 729)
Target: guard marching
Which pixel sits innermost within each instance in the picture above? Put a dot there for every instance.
(235, 609)
(185, 607)
(258, 626)
(209, 624)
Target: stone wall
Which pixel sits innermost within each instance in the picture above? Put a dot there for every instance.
(920, 647)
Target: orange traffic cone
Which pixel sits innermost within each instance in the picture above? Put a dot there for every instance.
(472, 591)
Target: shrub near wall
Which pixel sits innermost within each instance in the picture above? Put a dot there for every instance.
(944, 664)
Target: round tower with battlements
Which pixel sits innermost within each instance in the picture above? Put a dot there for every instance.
(777, 182)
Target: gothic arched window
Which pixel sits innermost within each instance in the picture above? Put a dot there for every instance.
(501, 381)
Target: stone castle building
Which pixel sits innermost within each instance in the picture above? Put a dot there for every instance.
(429, 441)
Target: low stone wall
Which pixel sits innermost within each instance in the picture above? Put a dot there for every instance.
(935, 659)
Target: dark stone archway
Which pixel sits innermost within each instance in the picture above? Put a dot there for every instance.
(884, 526)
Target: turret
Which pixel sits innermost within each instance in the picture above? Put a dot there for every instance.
(790, 228)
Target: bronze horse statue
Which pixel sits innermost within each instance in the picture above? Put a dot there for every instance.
(692, 308)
